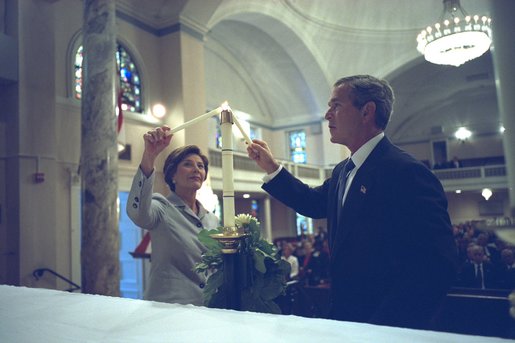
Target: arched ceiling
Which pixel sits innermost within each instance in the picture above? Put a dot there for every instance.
(289, 52)
(434, 100)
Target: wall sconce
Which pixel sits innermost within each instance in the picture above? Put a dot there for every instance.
(158, 111)
(486, 193)
(462, 134)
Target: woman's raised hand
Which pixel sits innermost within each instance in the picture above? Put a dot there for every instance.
(156, 141)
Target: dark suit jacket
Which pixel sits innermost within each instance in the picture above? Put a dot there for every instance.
(467, 276)
(393, 257)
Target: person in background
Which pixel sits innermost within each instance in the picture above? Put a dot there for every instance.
(489, 248)
(321, 234)
(316, 265)
(477, 272)
(507, 269)
(173, 221)
(287, 255)
(392, 254)
(455, 162)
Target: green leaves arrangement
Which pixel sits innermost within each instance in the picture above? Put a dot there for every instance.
(264, 271)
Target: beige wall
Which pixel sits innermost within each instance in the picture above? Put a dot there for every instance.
(464, 207)
(475, 147)
(283, 219)
(482, 146)
(421, 151)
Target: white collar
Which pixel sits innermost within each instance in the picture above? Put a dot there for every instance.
(360, 156)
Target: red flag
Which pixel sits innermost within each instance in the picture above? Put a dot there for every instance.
(144, 248)
(120, 127)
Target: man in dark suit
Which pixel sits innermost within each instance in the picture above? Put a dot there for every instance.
(392, 253)
(477, 272)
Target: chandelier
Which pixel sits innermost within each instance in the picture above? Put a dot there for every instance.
(457, 38)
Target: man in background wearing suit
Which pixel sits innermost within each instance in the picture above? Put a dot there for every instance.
(392, 255)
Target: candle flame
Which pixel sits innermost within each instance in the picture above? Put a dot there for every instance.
(225, 106)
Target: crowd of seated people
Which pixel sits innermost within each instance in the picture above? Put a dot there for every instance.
(309, 257)
(486, 261)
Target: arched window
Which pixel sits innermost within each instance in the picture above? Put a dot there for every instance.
(128, 76)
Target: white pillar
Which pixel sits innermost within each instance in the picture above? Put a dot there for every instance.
(267, 219)
(503, 27)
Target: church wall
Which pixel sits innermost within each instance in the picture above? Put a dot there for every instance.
(283, 219)
(68, 24)
(465, 207)
(420, 150)
(479, 146)
(489, 145)
(36, 150)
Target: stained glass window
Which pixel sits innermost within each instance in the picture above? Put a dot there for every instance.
(304, 225)
(298, 146)
(78, 74)
(254, 208)
(130, 82)
(253, 132)
(218, 133)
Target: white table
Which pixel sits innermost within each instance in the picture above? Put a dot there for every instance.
(42, 315)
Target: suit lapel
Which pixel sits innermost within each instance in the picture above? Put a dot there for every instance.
(332, 203)
(361, 188)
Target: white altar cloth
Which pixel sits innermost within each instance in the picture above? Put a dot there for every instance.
(42, 315)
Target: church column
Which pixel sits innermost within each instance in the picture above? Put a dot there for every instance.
(183, 85)
(99, 155)
(503, 57)
(183, 79)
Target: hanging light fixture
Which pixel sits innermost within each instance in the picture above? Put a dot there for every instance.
(462, 134)
(457, 38)
(486, 193)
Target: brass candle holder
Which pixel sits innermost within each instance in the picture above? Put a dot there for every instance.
(230, 239)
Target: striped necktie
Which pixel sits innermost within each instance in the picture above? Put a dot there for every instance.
(342, 180)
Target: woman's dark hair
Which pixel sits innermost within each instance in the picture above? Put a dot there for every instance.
(176, 157)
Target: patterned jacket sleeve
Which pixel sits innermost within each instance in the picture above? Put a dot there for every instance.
(144, 208)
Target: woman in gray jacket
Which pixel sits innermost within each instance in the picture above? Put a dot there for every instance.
(173, 221)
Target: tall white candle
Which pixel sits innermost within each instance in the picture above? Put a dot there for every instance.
(227, 169)
(245, 136)
(194, 120)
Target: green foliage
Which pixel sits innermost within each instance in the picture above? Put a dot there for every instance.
(266, 275)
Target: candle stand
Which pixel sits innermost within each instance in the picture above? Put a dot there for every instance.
(235, 257)
(235, 272)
